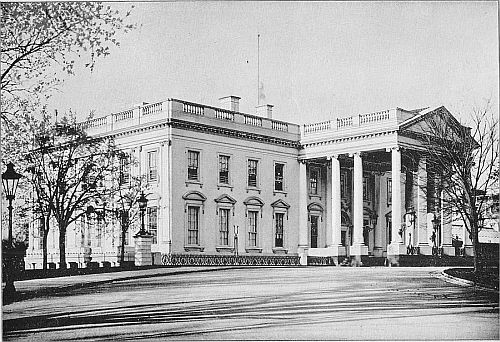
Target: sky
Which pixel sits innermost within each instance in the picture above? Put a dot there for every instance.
(318, 60)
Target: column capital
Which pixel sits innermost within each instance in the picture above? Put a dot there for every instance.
(394, 148)
(302, 161)
(333, 156)
(357, 153)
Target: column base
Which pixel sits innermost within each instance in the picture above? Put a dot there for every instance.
(425, 250)
(394, 250)
(303, 252)
(358, 250)
(378, 252)
(448, 250)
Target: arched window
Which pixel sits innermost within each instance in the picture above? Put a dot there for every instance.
(194, 209)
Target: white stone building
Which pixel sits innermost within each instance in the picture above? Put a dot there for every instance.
(234, 188)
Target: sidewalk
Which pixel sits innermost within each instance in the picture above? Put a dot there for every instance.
(46, 286)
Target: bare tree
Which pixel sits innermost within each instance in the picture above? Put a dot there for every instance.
(461, 166)
(68, 170)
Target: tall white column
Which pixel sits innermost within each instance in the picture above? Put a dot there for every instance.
(303, 245)
(421, 209)
(358, 200)
(396, 195)
(336, 202)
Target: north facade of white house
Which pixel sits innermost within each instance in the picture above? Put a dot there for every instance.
(227, 187)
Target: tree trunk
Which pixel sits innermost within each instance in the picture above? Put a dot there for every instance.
(45, 237)
(62, 246)
(476, 248)
(122, 251)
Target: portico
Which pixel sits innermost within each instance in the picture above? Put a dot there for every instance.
(371, 179)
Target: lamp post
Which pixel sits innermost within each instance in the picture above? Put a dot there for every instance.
(436, 225)
(143, 203)
(410, 218)
(10, 179)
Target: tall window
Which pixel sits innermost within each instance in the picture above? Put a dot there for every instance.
(252, 228)
(343, 185)
(314, 231)
(389, 191)
(313, 181)
(193, 165)
(224, 227)
(224, 169)
(193, 225)
(278, 240)
(366, 188)
(152, 166)
(278, 176)
(153, 223)
(124, 170)
(252, 172)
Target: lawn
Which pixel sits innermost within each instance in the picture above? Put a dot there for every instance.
(487, 277)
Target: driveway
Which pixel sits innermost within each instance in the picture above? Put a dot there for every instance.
(313, 303)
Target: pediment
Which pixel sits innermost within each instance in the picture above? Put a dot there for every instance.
(426, 122)
(280, 204)
(253, 201)
(194, 196)
(315, 207)
(225, 199)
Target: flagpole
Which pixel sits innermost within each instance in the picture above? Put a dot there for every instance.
(258, 69)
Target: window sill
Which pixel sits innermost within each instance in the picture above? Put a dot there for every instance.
(222, 185)
(253, 189)
(194, 248)
(192, 182)
(315, 195)
(225, 249)
(280, 250)
(280, 192)
(253, 249)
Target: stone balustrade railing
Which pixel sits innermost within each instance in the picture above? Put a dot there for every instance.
(224, 114)
(351, 122)
(173, 108)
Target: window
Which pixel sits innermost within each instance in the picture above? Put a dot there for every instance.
(152, 166)
(193, 225)
(224, 169)
(366, 190)
(193, 165)
(314, 231)
(313, 181)
(252, 172)
(278, 240)
(124, 170)
(224, 227)
(252, 228)
(389, 191)
(278, 176)
(124, 217)
(343, 185)
(153, 223)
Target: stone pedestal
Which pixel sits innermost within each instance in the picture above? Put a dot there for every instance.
(303, 252)
(394, 250)
(358, 253)
(143, 255)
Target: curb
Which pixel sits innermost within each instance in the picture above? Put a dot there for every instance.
(462, 282)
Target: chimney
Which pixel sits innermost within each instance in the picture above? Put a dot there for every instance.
(265, 111)
(230, 103)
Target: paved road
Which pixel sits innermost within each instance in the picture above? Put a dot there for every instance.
(314, 303)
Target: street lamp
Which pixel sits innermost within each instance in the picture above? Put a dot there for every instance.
(143, 203)
(10, 179)
(436, 225)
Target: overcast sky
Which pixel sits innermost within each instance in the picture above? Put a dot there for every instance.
(318, 60)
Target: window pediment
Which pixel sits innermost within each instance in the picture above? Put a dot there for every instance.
(280, 204)
(225, 199)
(315, 207)
(194, 196)
(255, 201)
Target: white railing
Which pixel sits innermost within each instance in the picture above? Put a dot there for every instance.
(344, 122)
(93, 123)
(252, 120)
(317, 127)
(373, 117)
(128, 114)
(152, 108)
(193, 109)
(224, 114)
(279, 126)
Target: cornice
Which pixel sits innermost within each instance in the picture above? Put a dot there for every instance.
(347, 139)
(199, 127)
